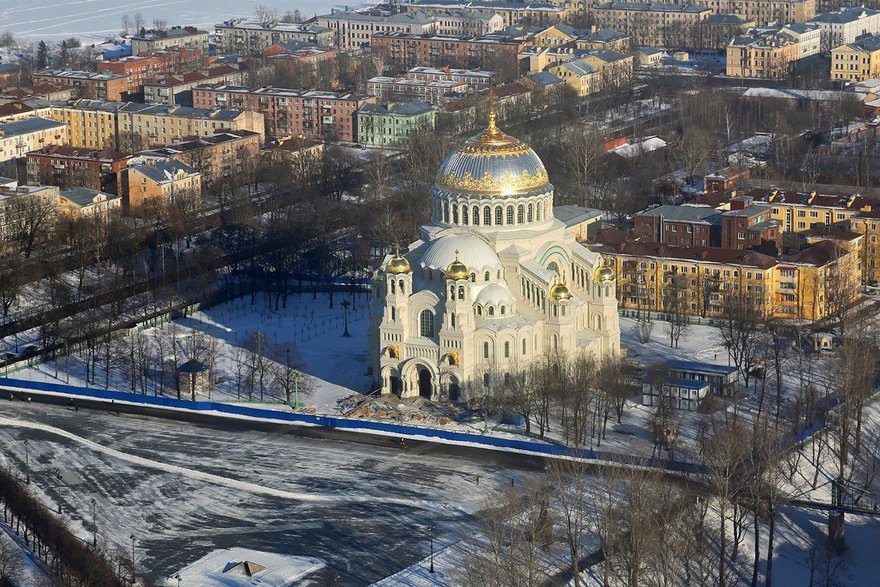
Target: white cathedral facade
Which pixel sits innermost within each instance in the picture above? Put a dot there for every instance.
(494, 282)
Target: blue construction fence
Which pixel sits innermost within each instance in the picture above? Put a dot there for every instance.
(349, 424)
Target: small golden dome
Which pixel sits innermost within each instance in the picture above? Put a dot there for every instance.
(457, 271)
(559, 292)
(397, 264)
(604, 273)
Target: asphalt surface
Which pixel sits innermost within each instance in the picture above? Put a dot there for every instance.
(362, 507)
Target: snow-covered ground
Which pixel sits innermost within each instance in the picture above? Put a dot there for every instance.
(96, 20)
(184, 490)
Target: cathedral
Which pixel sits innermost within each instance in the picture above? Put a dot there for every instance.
(494, 281)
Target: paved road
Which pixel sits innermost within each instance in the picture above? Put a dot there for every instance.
(184, 489)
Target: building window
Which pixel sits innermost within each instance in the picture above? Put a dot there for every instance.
(524, 346)
(499, 219)
(487, 216)
(506, 350)
(485, 350)
(520, 214)
(426, 324)
(510, 215)
(486, 276)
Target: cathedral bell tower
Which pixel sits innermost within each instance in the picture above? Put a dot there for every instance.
(458, 325)
(398, 288)
(560, 317)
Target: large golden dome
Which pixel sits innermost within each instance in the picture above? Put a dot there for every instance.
(493, 163)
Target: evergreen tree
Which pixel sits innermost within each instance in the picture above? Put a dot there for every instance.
(64, 55)
(42, 55)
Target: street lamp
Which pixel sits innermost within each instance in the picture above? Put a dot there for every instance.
(431, 530)
(27, 466)
(486, 409)
(177, 576)
(345, 304)
(94, 525)
(132, 559)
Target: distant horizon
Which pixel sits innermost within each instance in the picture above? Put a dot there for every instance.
(53, 21)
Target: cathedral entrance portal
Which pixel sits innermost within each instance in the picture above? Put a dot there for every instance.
(425, 387)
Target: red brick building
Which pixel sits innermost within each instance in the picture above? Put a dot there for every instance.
(725, 180)
(77, 167)
(748, 225)
(409, 50)
(290, 113)
(151, 66)
(681, 226)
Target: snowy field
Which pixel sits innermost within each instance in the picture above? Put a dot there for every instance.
(185, 490)
(96, 20)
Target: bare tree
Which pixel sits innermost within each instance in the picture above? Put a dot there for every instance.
(265, 14)
(11, 562)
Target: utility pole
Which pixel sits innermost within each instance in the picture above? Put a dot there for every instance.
(94, 525)
(27, 465)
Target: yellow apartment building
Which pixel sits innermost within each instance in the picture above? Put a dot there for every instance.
(858, 61)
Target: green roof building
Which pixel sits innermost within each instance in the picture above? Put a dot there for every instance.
(388, 125)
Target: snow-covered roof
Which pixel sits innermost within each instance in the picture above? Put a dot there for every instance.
(221, 567)
(467, 248)
(495, 294)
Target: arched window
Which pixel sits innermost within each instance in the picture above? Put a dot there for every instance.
(475, 212)
(499, 274)
(445, 213)
(520, 214)
(499, 219)
(503, 310)
(393, 314)
(486, 379)
(563, 310)
(485, 350)
(524, 346)
(506, 349)
(531, 215)
(473, 277)
(464, 215)
(393, 287)
(451, 292)
(491, 310)
(455, 214)
(426, 323)
(509, 215)
(486, 276)
(554, 310)
(507, 379)
(479, 310)
(487, 216)
(401, 286)
(461, 292)
(452, 321)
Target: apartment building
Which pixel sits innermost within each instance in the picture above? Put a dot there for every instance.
(248, 37)
(354, 30)
(88, 84)
(403, 89)
(174, 90)
(67, 166)
(215, 156)
(149, 66)
(288, 112)
(162, 125)
(130, 126)
(468, 22)
(750, 225)
(681, 226)
(577, 74)
(867, 223)
(761, 11)
(389, 125)
(83, 202)
(761, 54)
(651, 24)
(177, 36)
(91, 124)
(845, 25)
(857, 61)
(19, 201)
(473, 77)
(20, 136)
(157, 179)
(35, 92)
(410, 50)
(513, 13)
(814, 283)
